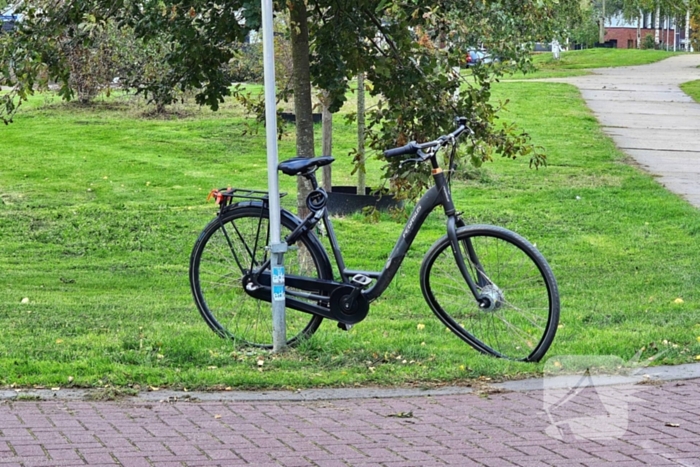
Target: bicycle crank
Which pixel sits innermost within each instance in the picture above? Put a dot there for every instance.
(348, 305)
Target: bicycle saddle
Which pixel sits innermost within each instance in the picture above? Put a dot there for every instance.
(303, 165)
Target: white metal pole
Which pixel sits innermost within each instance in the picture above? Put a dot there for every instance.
(277, 249)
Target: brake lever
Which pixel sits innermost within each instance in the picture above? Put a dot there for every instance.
(406, 161)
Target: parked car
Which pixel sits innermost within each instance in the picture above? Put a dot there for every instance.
(8, 18)
(477, 56)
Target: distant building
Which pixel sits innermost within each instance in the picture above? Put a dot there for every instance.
(622, 34)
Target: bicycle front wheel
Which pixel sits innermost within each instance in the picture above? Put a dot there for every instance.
(522, 315)
(232, 245)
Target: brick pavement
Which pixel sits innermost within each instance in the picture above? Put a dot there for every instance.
(625, 425)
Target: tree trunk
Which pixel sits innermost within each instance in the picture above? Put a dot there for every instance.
(640, 19)
(327, 138)
(675, 31)
(361, 134)
(302, 94)
(657, 21)
(601, 30)
(687, 28)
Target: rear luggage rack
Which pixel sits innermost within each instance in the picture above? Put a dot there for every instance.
(226, 196)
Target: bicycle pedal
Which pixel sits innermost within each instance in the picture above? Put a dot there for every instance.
(345, 327)
(360, 280)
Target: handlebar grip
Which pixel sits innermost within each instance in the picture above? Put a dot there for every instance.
(410, 148)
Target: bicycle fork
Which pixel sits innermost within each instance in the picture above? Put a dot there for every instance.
(487, 301)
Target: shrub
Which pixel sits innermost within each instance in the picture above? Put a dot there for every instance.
(247, 65)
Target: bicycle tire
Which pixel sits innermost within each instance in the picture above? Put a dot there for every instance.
(524, 320)
(220, 258)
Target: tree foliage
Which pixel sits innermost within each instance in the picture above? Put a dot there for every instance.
(407, 48)
(186, 45)
(408, 51)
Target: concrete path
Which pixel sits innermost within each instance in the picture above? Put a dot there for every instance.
(650, 118)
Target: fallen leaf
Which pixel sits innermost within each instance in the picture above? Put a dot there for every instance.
(678, 300)
(217, 416)
(401, 414)
(420, 326)
(25, 300)
(59, 341)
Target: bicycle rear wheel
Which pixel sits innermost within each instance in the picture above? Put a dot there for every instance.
(228, 248)
(522, 318)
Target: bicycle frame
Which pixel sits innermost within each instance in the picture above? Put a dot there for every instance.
(331, 294)
(433, 198)
(438, 195)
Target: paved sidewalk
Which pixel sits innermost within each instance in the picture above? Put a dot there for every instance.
(650, 118)
(625, 425)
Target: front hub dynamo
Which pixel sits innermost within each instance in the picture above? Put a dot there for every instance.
(492, 298)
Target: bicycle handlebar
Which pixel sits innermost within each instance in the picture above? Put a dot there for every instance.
(410, 148)
(413, 147)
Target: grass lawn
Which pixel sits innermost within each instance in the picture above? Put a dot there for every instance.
(577, 62)
(692, 88)
(100, 208)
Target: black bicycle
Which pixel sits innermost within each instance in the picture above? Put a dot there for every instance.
(488, 285)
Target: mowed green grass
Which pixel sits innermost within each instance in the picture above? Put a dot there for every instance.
(692, 88)
(100, 209)
(577, 62)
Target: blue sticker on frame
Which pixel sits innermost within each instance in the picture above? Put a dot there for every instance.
(278, 292)
(278, 275)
